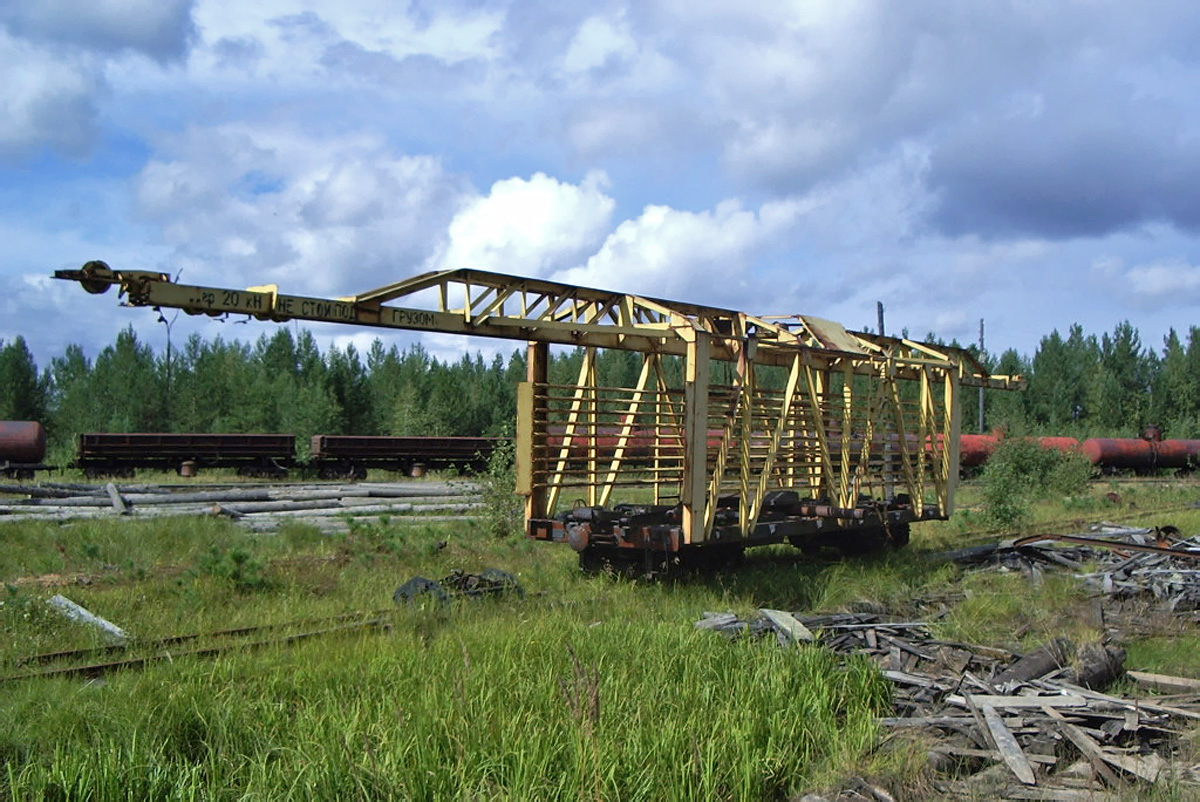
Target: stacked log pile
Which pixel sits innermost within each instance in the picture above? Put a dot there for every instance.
(261, 508)
(1004, 725)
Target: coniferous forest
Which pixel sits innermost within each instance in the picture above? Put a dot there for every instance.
(1080, 385)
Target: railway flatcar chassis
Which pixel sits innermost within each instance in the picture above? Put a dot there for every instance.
(766, 429)
(647, 538)
(120, 454)
(22, 470)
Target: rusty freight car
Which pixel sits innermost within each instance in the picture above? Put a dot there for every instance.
(120, 454)
(22, 448)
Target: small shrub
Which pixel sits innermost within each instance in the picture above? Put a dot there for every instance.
(368, 538)
(1021, 472)
(503, 514)
(237, 566)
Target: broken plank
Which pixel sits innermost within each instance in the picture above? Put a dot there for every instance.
(1060, 794)
(1087, 747)
(787, 625)
(953, 722)
(911, 679)
(1137, 704)
(903, 646)
(718, 621)
(1146, 767)
(962, 751)
(998, 701)
(1164, 683)
(1006, 744)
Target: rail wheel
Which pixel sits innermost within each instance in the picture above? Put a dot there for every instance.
(854, 542)
(635, 563)
(898, 535)
(622, 561)
(725, 555)
(593, 560)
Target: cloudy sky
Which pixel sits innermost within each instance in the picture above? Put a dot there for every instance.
(1035, 164)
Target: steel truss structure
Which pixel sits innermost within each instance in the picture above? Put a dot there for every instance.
(739, 430)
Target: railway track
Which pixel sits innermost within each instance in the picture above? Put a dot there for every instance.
(85, 663)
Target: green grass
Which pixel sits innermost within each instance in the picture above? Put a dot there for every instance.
(599, 688)
(477, 708)
(587, 688)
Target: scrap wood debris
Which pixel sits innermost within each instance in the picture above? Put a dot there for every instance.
(1122, 565)
(1040, 716)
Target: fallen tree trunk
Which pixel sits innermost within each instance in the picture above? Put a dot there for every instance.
(80, 614)
(119, 505)
(416, 501)
(1097, 666)
(38, 491)
(151, 499)
(1050, 657)
(422, 489)
(276, 506)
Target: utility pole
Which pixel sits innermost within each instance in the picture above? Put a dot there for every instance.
(982, 424)
(879, 310)
(167, 396)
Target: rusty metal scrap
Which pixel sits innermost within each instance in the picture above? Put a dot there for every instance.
(458, 584)
(1118, 546)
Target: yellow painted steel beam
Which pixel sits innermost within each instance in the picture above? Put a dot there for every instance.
(628, 420)
(695, 408)
(488, 304)
(571, 430)
(772, 457)
(754, 420)
(912, 479)
(953, 433)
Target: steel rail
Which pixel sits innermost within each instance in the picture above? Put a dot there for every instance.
(376, 619)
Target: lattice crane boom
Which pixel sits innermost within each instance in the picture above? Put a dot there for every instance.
(817, 430)
(485, 304)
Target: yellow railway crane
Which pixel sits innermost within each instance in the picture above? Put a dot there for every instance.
(804, 431)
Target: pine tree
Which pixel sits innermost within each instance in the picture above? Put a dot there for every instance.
(1121, 382)
(348, 383)
(23, 393)
(127, 386)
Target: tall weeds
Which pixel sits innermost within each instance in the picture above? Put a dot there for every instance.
(505, 708)
(503, 514)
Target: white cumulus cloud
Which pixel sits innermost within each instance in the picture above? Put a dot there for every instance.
(683, 255)
(529, 227)
(47, 101)
(253, 205)
(1171, 282)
